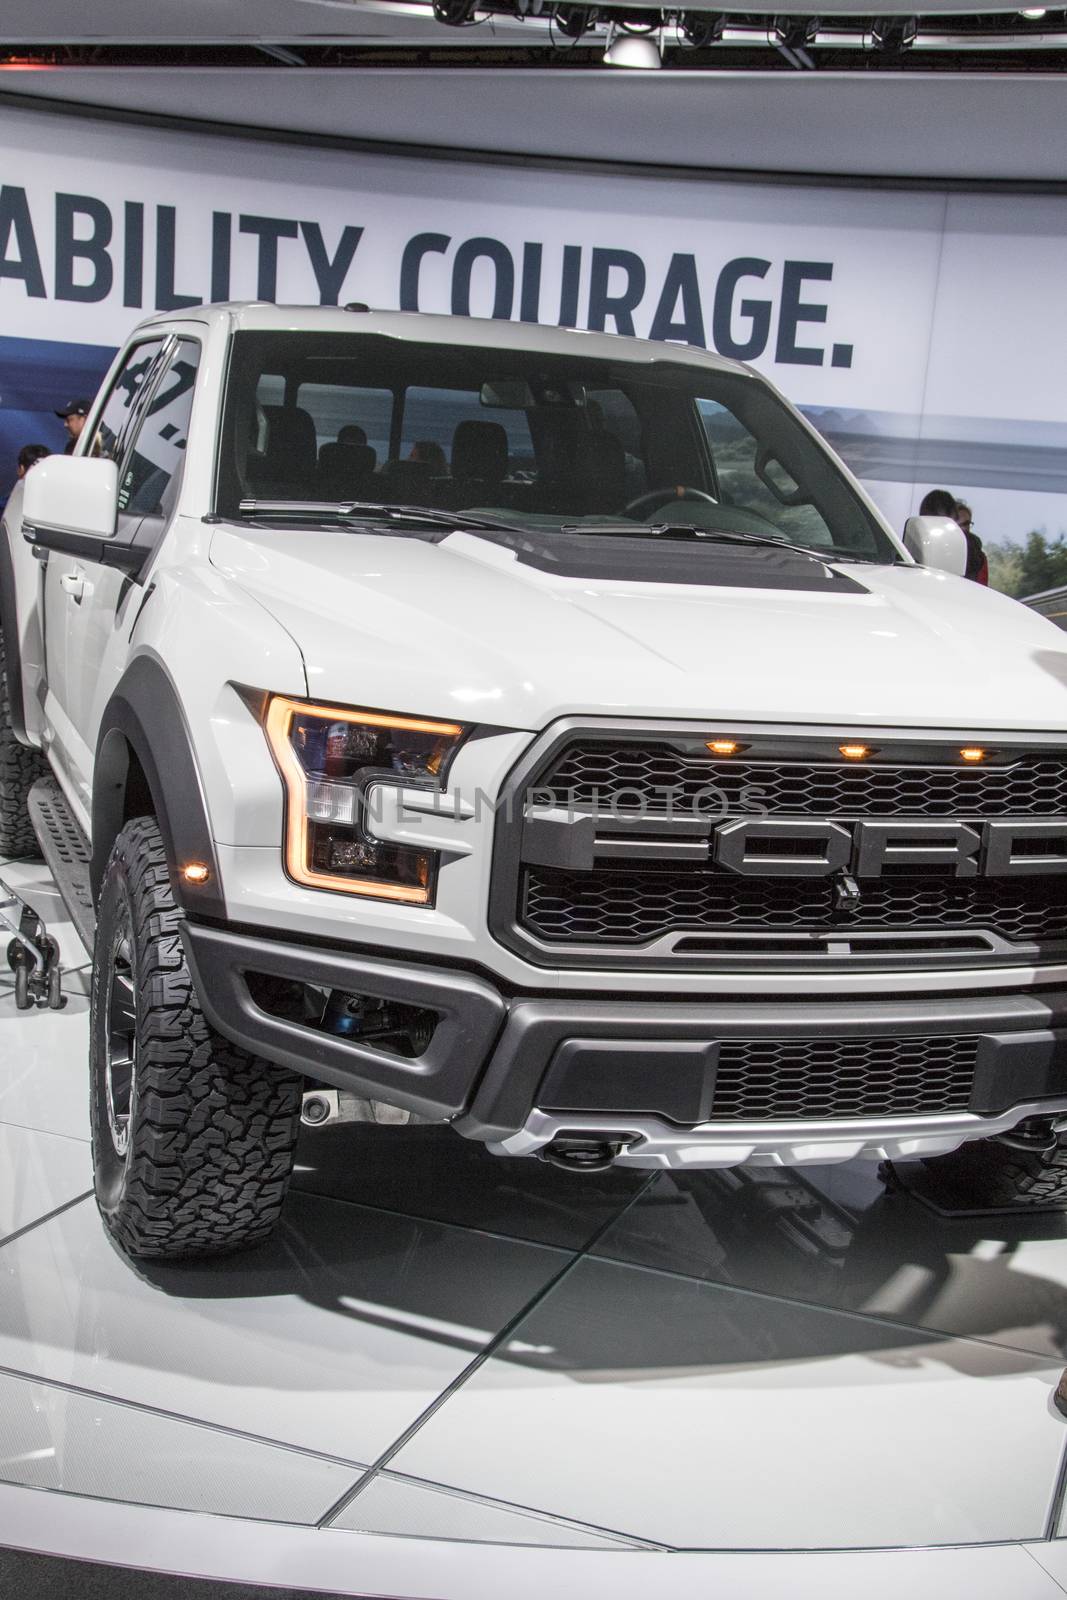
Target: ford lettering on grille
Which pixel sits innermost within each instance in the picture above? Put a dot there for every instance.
(770, 847)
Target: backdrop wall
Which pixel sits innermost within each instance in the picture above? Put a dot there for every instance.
(925, 333)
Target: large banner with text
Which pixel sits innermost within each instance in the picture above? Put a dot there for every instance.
(924, 333)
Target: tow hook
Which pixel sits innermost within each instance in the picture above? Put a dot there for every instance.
(589, 1154)
(320, 1106)
(1037, 1135)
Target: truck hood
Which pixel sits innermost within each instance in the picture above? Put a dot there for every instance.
(463, 629)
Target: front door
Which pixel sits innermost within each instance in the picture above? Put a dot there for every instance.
(74, 588)
(149, 477)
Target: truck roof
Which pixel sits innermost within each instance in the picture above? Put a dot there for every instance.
(484, 332)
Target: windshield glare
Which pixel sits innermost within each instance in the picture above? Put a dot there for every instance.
(532, 439)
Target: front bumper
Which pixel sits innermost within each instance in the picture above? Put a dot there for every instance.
(493, 1059)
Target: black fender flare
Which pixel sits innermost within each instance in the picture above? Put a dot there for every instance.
(10, 629)
(145, 716)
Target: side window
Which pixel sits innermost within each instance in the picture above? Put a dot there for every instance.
(431, 417)
(770, 494)
(152, 472)
(335, 407)
(121, 402)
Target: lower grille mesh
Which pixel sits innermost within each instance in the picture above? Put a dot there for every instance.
(786, 1079)
(610, 906)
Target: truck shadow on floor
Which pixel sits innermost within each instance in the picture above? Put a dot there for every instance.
(698, 1273)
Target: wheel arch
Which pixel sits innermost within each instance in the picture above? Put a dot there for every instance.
(145, 764)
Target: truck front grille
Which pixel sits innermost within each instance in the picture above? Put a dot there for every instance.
(784, 1080)
(618, 855)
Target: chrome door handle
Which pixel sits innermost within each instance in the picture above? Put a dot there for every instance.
(73, 583)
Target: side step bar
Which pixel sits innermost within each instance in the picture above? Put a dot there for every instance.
(66, 851)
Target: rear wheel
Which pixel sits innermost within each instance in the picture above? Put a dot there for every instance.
(990, 1175)
(19, 770)
(193, 1139)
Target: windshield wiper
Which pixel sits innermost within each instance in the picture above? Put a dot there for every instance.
(693, 530)
(372, 510)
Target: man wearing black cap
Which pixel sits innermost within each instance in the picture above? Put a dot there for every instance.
(74, 415)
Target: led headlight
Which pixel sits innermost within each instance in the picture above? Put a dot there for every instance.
(327, 755)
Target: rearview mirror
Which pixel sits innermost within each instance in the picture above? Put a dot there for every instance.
(71, 495)
(937, 542)
(510, 394)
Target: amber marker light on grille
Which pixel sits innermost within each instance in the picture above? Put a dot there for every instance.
(972, 752)
(278, 725)
(855, 752)
(724, 747)
(196, 872)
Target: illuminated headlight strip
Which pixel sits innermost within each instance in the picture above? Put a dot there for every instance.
(323, 800)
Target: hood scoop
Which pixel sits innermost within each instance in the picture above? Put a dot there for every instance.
(624, 558)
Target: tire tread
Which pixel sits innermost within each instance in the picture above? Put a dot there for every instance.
(996, 1175)
(213, 1129)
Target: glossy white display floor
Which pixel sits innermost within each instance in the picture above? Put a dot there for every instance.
(454, 1376)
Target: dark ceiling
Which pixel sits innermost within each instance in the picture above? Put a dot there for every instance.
(958, 96)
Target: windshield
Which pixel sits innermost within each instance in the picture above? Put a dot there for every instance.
(533, 440)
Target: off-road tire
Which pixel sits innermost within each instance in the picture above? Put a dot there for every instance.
(20, 768)
(988, 1175)
(210, 1131)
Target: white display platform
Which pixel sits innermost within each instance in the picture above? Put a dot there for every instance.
(729, 1384)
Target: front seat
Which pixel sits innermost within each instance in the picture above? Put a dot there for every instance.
(479, 455)
(345, 471)
(599, 472)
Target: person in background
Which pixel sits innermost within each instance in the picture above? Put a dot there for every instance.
(73, 414)
(28, 457)
(941, 503)
(431, 454)
(976, 555)
(938, 503)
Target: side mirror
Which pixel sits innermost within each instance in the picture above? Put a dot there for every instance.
(70, 504)
(72, 494)
(936, 542)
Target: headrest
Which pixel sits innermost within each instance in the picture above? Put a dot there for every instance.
(600, 469)
(347, 460)
(480, 450)
(291, 445)
(406, 480)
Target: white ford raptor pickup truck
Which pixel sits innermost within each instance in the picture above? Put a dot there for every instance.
(535, 732)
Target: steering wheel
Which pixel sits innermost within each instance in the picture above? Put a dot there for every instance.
(646, 503)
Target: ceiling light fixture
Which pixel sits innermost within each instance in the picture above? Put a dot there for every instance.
(1034, 13)
(573, 21)
(627, 49)
(700, 29)
(454, 13)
